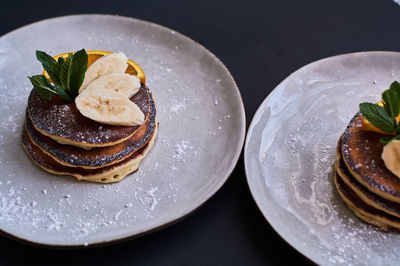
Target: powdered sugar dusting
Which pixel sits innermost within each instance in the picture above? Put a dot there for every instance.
(291, 151)
(177, 107)
(14, 208)
(183, 149)
(61, 119)
(194, 95)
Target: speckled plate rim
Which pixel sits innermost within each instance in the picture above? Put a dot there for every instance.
(256, 184)
(179, 215)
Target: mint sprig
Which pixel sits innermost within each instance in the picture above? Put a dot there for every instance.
(384, 117)
(43, 86)
(391, 100)
(377, 116)
(66, 75)
(76, 72)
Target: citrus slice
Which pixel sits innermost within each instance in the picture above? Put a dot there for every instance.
(133, 68)
(367, 126)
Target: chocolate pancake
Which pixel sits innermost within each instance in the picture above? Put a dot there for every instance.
(364, 211)
(390, 207)
(65, 124)
(108, 174)
(97, 157)
(361, 152)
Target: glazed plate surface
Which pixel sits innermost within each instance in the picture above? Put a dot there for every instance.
(290, 152)
(201, 133)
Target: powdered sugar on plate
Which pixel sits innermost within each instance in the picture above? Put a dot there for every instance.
(15, 208)
(194, 94)
(290, 153)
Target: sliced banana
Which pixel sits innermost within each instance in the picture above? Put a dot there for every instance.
(391, 157)
(122, 83)
(109, 107)
(112, 63)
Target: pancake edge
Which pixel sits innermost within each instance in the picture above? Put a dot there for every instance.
(153, 125)
(365, 195)
(108, 177)
(383, 223)
(87, 146)
(387, 195)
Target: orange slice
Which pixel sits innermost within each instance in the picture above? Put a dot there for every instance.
(133, 68)
(367, 126)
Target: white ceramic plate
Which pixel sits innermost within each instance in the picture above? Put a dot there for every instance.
(201, 133)
(290, 151)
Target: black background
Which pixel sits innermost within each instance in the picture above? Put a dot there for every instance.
(261, 43)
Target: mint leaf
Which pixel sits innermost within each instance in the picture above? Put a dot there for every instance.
(391, 98)
(64, 73)
(61, 61)
(77, 71)
(377, 116)
(386, 140)
(63, 94)
(50, 65)
(46, 90)
(42, 86)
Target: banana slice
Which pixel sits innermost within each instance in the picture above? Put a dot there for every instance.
(122, 83)
(112, 63)
(391, 157)
(109, 107)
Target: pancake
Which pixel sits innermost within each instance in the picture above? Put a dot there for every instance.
(97, 157)
(364, 211)
(108, 174)
(364, 194)
(361, 152)
(65, 124)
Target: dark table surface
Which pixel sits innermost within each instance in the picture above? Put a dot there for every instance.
(261, 43)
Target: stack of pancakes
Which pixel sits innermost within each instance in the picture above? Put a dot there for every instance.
(362, 179)
(59, 139)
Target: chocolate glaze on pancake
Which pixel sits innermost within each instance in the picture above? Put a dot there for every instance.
(65, 124)
(364, 211)
(96, 157)
(106, 174)
(364, 194)
(361, 153)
